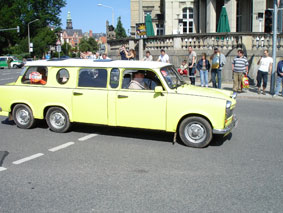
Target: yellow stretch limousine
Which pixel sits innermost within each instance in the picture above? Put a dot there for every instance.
(149, 95)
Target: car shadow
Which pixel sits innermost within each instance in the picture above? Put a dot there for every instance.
(8, 122)
(143, 134)
(136, 133)
(219, 140)
(3, 155)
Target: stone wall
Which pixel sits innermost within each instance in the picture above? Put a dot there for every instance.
(176, 47)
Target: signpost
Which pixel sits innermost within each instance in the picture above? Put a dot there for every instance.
(58, 47)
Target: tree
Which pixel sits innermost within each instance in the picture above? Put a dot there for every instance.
(88, 44)
(20, 13)
(120, 31)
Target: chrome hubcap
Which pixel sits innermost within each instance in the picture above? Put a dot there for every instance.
(23, 116)
(57, 120)
(195, 132)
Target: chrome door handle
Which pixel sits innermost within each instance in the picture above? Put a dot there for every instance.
(122, 96)
(77, 93)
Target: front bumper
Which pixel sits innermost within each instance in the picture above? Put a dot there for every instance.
(228, 129)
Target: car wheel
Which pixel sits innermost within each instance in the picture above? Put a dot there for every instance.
(195, 132)
(15, 66)
(58, 119)
(23, 116)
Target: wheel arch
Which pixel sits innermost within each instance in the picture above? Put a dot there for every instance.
(46, 108)
(192, 115)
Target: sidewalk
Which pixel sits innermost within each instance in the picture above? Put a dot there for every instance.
(250, 93)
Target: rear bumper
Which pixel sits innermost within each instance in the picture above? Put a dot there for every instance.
(228, 129)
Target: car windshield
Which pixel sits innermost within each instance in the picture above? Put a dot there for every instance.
(171, 76)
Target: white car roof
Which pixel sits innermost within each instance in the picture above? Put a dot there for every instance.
(98, 63)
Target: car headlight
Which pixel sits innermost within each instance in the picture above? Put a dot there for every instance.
(229, 111)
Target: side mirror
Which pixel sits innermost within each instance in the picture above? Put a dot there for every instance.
(158, 89)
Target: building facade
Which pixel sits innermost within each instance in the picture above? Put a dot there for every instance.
(201, 16)
(70, 35)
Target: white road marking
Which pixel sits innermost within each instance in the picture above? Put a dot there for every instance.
(54, 149)
(87, 137)
(2, 169)
(28, 158)
(4, 79)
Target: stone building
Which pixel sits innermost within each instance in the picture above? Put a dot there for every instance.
(70, 35)
(201, 16)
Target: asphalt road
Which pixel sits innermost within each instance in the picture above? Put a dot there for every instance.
(103, 169)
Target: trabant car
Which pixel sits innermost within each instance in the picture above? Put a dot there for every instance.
(100, 92)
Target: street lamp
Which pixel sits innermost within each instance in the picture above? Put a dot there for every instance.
(102, 5)
(29, 35)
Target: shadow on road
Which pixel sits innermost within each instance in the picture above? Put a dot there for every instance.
(144, 134)
(3, 155)
(8, 122)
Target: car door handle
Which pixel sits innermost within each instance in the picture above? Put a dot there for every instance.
(77, 93)
(122, 96)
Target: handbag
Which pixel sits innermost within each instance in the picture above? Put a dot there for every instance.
(245, 82)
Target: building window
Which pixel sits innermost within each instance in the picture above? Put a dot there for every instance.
(159, 29)
(188, 20)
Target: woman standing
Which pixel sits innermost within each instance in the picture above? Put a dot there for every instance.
(203, 67)
(131, 55)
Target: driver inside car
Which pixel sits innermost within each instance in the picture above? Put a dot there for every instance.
(138, 81)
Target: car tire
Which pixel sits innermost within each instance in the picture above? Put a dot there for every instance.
(15, 66)
(58, 119)
(23, 116)
(195, 132)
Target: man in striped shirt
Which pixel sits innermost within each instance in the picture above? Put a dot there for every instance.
(240, 66)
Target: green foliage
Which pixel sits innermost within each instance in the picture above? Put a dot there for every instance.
(120, 31)
(21, 12)
(66, 49)
(88, 45)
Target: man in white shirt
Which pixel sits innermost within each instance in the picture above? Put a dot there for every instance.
(163, 57)
(265, 68)
(148, 56)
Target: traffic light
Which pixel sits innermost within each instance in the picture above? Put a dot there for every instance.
(268, 21)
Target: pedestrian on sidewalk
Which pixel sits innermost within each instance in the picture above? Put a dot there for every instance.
(279, 80)
(265, 67)
(218, 61)
(163, 57)
(203, 67)
(148, 56)
(192, 64)
(183, 70)
(240, 66)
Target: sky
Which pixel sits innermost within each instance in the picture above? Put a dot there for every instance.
(86, 15)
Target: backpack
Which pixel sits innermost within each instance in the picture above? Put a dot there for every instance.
(216, 62)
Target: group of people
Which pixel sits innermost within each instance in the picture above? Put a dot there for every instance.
(96, 56)
(190, 66)
(240, 68)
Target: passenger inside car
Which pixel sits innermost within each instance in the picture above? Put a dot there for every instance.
(39, 76)
(138, 81)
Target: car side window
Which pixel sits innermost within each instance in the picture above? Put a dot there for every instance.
(114, 78)
(62, 76)
(140, 79)
(93, 78)
(35, 75)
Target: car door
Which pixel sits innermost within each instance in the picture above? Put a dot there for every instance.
(90, 97)
(140, 108)
(3, 62)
